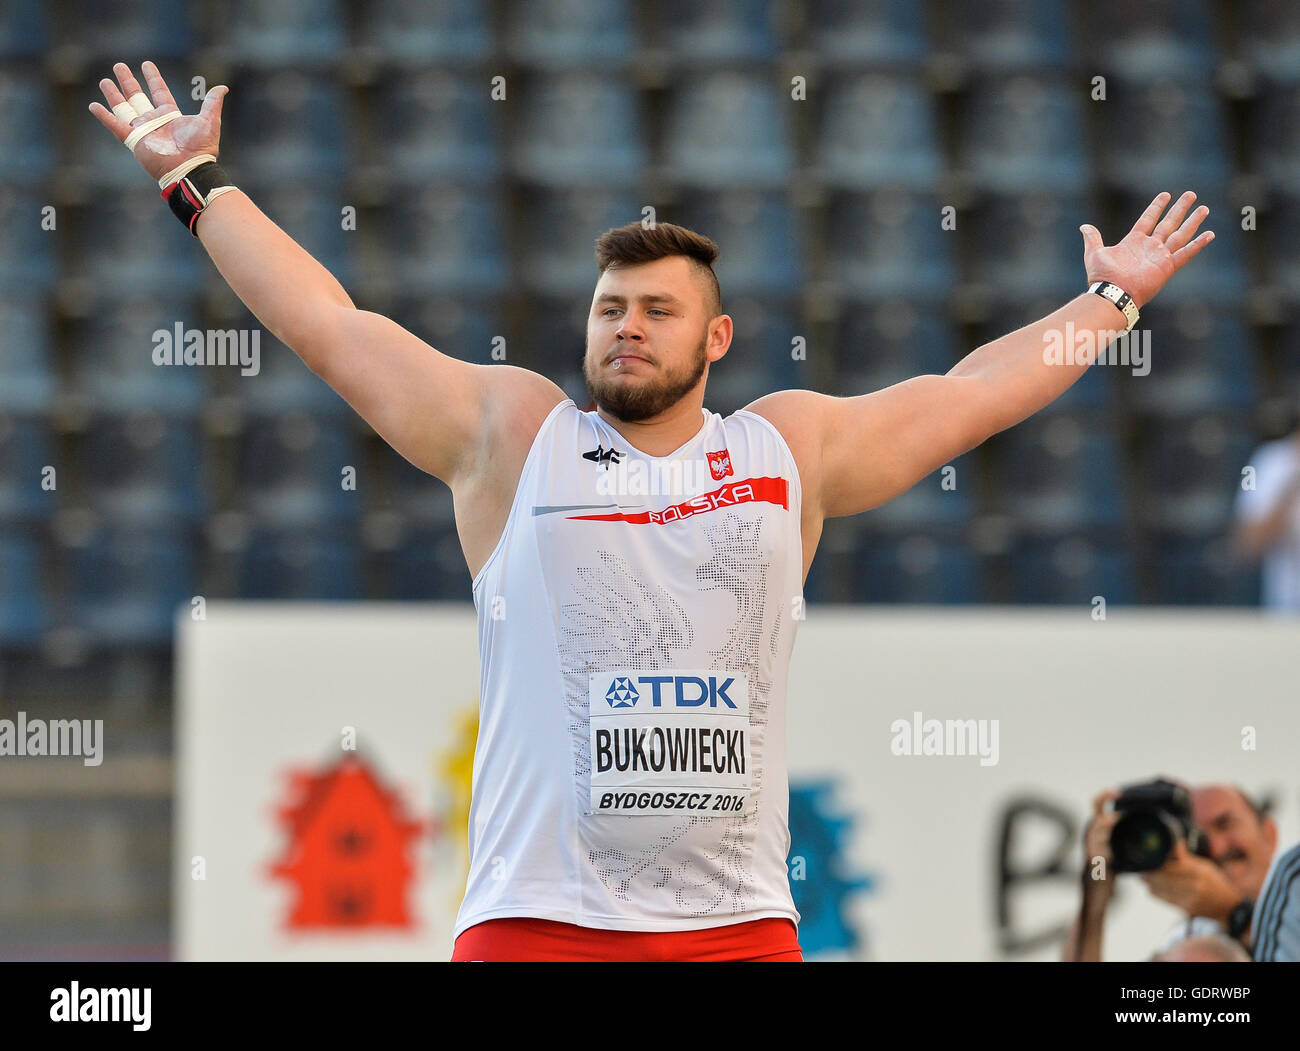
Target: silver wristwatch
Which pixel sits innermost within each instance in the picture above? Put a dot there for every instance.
(1119, 297)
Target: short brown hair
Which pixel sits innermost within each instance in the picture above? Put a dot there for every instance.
(634, 243)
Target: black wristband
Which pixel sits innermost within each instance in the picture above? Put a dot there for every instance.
(190, 194)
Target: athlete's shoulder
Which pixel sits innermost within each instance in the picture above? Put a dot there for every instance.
(798, 416)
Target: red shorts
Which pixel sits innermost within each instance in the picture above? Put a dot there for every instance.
(519, 938)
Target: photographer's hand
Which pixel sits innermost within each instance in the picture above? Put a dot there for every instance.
(1083, 943)
(1195, 884)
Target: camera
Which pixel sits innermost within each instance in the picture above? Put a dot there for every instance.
(1154, 816)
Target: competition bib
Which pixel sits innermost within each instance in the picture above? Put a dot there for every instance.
(669, 742)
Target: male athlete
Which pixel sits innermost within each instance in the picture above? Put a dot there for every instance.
(629, 794)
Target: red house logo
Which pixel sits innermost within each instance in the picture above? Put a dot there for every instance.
(349, 850)
(720, 464)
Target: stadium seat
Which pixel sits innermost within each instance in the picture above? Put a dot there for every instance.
(878, 343)
(26, 449)
(728, 130)
(1072, 571)
(300, 563)
(1199, 571)
(25, 141)
(143, 469)
(24, 615)
(27, 253)
(878, 131)
(418, 497)
(1030, 247)
(1174, 138)
(417, 33)
(578, 129)
(292, 474)
(1023, 134)
(283, 384)
(1011, 36)
(566, 33)
(314, 218)
(760, 235)
(1203, 359)
(944, 499)
(915, 569)
(108, 30)
(760, 360)
(1161, 38)
(276, 126)
(556, 256)
(1057, 473)
(847, 33)
(1274, 130)
(699, 33)
(429, 566)
(445, 240)
(1189, 472)
(431, 125)
(275, 33)
(158, 252)
(888, 244)
(127, 582)
(27, 378)
(460, 327)
(554, 339)
(113, 351)
(1268, 35)
(24, 29)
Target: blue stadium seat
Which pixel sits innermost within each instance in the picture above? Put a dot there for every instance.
(578, 129)
(1198, 571)
(429, 566)
(291, 473)
(24, 616)
(432, 125)
(113, 351)
(727, 130)
(1268, 35)
(283, 124)
(915, 569)
(300, 563)
(1189, 472)
(114, 30)
(889, 243)
(1174, 138)
(1023, 134)
(143, 469)
(1202, 359)
(26, 449)
(1058, 473)
(698, 33)
(127, 582)
(445, 240)
(759, 234)
(1219, 274)
(127, 244)
(418, 497)
(556, 256)
(459, 327)
(27, 253)
(1274, 130)
(555, 34)
(424, 34)
(1030, 246)
(24, 29)
(27, 379)
(1161, 38)
(312, 216)
(848, 33)
(1012, 35)
(25, 139)
(554, 341)
(878, 343)
(1072, 571)
(943, 500)
(759, 361)
(283, 384)
(275, 33)
(878, 131)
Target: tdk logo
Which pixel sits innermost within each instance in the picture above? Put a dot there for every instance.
(622, 694)
(673, 691)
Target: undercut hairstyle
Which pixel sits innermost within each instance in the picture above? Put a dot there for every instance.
(633, 244)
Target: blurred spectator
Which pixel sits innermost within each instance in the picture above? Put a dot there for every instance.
(1204, 948)
(1268, 520)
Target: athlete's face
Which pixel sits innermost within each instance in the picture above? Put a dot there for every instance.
(647, 338)
(1241, 844)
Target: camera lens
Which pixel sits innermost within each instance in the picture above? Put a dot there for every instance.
(1141, 841)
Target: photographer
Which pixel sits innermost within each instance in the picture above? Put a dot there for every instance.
(1217, 884)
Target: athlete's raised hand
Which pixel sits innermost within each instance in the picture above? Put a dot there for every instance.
(1152, 252)
(168, 144)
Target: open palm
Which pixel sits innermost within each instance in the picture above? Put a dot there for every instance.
(171, 144)
(1152, 252)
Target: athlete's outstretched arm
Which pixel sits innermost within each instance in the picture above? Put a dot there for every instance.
(868, 449)
(433, 409)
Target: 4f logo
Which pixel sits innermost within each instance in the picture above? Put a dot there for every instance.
(720, 464)
(602, 455)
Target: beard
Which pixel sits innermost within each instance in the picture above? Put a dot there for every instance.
(642, 400)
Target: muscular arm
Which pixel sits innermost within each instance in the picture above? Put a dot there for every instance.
(866, 450)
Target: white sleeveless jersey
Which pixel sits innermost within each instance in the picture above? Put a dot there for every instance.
(635, 624)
